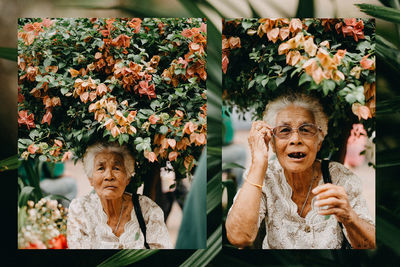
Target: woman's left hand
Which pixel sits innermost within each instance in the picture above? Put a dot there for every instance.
(336, 198)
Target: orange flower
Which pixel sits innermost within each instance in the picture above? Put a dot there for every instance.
(367, 64)
(171, 143)
(67, 155)
(115, 131)
(131, 116)
(59, 242)
(310, 66)
(283, 33)
(225, 62)
(135, 23)
(109, 124)
(352, 28)
(84, 97)
(310, 47)
(295, 26)
(189, 127)
(121, 41)
(47, 117)
(154, 118)
(293, 57)
(172, 155)
(188, 162)
(101, 89)
(225, 43)
(145, 89)
(234, 42)
(53, 69)
(183, 143)
(273, 35)
(151, 156)
(32, 148)
(121, 120)
(73, 72)
(47, 22)
(361, 111)
(28, 37)
(154, 61)
(318, 75)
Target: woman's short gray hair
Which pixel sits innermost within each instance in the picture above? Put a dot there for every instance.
(299, 100)
(93, 150)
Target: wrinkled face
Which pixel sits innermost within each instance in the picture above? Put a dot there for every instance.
(295, 154)
(109, 177)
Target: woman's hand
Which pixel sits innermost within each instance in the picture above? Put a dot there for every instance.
(361, 234)
(336, 198)
(259, 137)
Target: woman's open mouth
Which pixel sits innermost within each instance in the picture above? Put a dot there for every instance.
(297, 155)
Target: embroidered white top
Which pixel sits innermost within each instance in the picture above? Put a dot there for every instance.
(87, 226)
(286, 229)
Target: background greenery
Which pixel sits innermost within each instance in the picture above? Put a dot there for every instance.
(388, 159)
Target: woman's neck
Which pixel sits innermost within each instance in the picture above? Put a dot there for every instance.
(300, 182)
(112, 207)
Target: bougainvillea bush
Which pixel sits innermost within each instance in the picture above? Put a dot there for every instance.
(333, 59)
(140, 82)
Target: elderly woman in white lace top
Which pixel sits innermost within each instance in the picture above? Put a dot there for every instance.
(106, 218)
(281, 190)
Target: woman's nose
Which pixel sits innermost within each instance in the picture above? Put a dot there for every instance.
(295, 138)
(108, 175)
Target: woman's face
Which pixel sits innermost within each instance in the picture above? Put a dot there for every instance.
(109, 177)
(287, 150)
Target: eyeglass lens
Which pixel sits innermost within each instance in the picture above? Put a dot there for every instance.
(305, 130)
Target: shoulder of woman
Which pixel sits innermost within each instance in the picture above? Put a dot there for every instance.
(79, 204)
(146, 203)
(344, 177)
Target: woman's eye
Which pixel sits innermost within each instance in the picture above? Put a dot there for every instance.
(100, 168)
(285, 130)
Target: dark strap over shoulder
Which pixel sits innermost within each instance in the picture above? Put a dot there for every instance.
(327, 179)
(325, 171)
(139, 215)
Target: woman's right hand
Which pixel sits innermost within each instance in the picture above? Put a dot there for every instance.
(259, 137)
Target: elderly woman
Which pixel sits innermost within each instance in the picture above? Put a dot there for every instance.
(108, 217)
(282, 191)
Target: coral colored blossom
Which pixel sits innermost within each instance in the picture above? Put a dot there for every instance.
(24, 118)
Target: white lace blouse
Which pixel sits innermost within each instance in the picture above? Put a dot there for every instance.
(87, 226)
(285, 229)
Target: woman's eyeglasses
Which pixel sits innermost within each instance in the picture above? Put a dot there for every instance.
(307, 130)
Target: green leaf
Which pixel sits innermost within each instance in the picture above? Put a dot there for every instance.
(251, 83)
(10, 163)
(304, 78)
(25, 195)
(230, 165)
(280, 80)
(8, 53)
(42, 158)
(246, 24)
(327, 86)
(163, 129)
(202, 257)
(126, 257)
(385, 13)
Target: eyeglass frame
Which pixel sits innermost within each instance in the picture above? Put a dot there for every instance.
(296, 129)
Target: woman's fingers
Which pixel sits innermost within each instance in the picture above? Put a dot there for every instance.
(329, 190)
(331, 202)
(332, 211)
